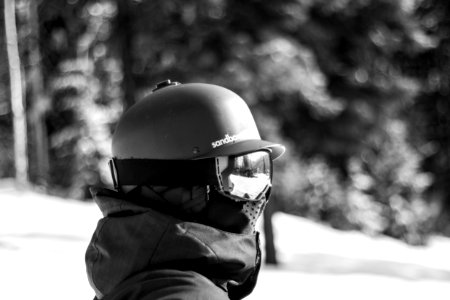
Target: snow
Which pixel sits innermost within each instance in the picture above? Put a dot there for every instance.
(43, 241)
(318, 262)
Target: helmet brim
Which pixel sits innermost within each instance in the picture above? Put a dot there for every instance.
(247, 146)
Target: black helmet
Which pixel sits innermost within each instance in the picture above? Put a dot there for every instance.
(188, 122)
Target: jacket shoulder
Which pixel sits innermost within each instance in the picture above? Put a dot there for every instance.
(165, 284)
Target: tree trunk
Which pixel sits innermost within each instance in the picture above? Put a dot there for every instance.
(125, 33)
(17, 105)
(271, 255)
(38, 99)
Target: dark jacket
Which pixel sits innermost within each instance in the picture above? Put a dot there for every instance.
(137, 252)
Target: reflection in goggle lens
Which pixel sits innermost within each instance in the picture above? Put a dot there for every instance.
(248, 176)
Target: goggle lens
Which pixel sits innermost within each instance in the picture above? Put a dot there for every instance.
(248, 176)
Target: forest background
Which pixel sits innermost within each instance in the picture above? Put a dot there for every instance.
(358, 91)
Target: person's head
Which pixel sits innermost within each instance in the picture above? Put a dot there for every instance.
(195, 148)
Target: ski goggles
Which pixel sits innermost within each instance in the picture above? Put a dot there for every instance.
(245, 177)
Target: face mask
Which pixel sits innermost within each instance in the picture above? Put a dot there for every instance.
(227, 214)
(253, 210)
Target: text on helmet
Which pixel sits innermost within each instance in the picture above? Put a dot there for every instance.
(226, 140)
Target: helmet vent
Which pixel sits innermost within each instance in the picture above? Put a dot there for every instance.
(164, 84)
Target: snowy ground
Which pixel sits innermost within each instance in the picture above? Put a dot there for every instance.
(43, 239)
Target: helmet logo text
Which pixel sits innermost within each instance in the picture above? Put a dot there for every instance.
(228, 139)
(243, 135)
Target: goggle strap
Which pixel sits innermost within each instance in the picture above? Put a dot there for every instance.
(163, 172)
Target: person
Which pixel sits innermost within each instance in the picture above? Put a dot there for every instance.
(191, 177)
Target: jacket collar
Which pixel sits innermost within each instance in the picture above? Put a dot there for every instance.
(132, 238)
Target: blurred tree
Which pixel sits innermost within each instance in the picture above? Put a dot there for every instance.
(17, 101)
(355, 45)
(124, 32)
(430, 116)
(387, 190)
(83, 82)
(37, 100)
(6, 120)
(269, 238)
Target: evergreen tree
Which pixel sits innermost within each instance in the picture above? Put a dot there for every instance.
(430, 114)
(83, 80)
